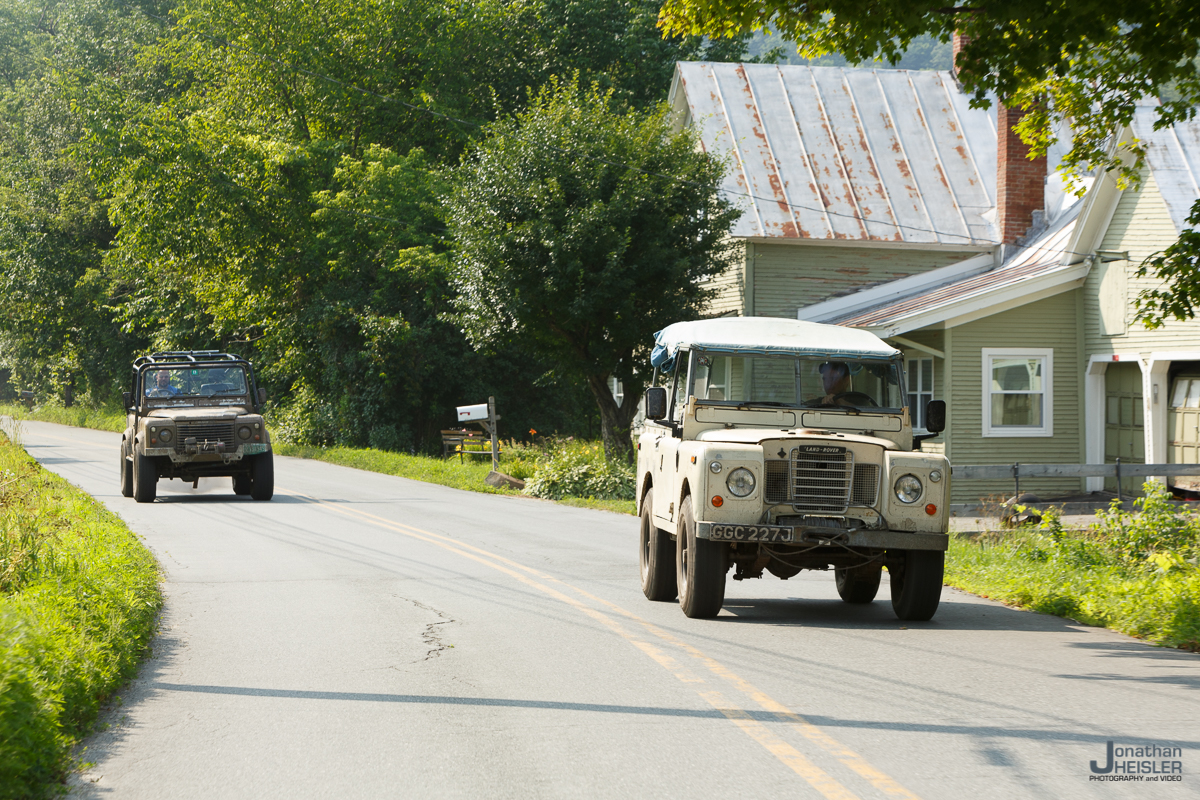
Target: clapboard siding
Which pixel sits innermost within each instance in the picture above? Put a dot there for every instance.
(730, 298)
(1049, 323)
(789, 277)
(1142, 225)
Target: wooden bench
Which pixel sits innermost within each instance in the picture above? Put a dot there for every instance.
(464, 442)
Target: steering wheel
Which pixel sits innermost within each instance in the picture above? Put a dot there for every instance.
(855, 399)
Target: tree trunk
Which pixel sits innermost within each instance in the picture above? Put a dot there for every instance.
(615, 420)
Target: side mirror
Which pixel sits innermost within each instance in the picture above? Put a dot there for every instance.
(656, 402)
(127, 399)
(935, 416)
(262, 396)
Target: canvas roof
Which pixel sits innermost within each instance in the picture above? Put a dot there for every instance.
(768, 336)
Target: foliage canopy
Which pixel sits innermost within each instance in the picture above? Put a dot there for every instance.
(580, 232)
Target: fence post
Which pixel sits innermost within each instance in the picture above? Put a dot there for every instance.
(1016, 482)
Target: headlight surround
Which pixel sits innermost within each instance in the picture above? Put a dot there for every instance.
(908, 489)
(244, 432)
(740, 482)
(165, 435)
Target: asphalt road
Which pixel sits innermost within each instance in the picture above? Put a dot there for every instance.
(369, 636)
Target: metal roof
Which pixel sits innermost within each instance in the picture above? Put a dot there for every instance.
(1173, 155)
(1041, 259)
(846, 153)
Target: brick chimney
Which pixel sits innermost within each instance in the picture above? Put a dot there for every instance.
(1020, 183)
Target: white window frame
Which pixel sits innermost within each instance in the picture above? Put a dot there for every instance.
(929, 390)
(1010, 431)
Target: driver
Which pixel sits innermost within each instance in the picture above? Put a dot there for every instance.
(835, 376)
(162, 385)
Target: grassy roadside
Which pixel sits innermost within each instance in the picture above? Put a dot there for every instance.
(79, 599)
(468, 475)
(449, 472)
(104, 419)
(1134, 573)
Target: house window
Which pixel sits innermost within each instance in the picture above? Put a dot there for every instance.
(920, 390)
(1017, 392)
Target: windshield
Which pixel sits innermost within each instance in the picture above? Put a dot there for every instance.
(190, 382)
(791, 381)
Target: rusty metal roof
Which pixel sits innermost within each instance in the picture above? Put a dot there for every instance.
(846, 153)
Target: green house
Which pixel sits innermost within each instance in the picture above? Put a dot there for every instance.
(878, 199)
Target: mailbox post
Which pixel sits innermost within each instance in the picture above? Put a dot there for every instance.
(485, 414)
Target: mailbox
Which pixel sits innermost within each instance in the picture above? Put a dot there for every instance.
(473, 413)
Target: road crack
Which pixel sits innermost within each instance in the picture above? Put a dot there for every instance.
(431, 635)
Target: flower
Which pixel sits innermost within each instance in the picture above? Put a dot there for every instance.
(532, 432)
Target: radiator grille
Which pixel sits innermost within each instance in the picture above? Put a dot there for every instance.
(821, 478)
(866, 485)
(777, 481)
(210, 432)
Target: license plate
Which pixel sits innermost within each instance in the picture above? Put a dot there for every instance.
(750, 533)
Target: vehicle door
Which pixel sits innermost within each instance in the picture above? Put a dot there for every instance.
(665, 461)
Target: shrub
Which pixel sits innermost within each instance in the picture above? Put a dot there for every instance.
(573, 469)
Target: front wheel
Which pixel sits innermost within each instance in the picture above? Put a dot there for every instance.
(145, 479)
(858, 584)
(699, 569)
(126, 474)
(262, 477)
(656, 553)
(917, 584)
(242, 484)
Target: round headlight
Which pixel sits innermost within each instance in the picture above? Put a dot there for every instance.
(908, 489)
(715, 467)
(164, 435)
(244, 433)
(935, 476)
(740, 482)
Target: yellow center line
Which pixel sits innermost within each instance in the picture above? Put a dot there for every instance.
(817, 777)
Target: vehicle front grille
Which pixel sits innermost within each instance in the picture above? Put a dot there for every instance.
(211, 432)
(821, 478)
(777, 481)
(866, 485)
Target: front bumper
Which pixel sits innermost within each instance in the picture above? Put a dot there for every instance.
(833, 537)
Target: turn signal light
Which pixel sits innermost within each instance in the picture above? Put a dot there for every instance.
(718, 501)
(931, 509)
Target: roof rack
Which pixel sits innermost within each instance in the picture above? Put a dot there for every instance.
(186, 357)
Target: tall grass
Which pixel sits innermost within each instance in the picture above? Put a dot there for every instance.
(78, 603)
(1137, 573)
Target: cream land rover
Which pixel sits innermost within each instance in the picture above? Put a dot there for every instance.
(780, 445)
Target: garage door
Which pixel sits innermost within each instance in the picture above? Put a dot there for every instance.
(1183, 427)
(1124, 429)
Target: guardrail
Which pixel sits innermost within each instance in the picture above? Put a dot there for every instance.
(1016, 471)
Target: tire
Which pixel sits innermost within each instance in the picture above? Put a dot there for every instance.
(917, 586)
(262, 477)
(656, 553)
(145, 479)
(126, 475)
(242, 484)
(699, 569)
(858, 584)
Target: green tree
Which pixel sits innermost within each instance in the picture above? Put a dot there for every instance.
(580, 230)
(1089, 61)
